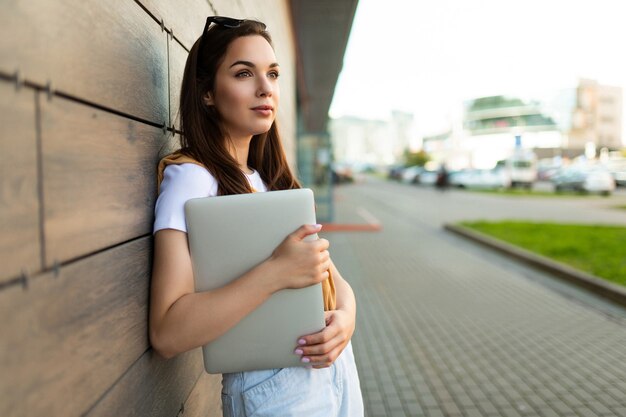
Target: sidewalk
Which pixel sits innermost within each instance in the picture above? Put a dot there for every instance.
(441, 331)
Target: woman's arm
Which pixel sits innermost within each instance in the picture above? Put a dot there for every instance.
(323, 348)
(181, 319)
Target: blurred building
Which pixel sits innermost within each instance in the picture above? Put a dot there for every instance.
(490, 129)
(321, 30)
(360, 142)
(499, 114)
(596, 116)
(568, 124)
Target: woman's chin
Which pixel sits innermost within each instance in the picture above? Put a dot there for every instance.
(262, 129)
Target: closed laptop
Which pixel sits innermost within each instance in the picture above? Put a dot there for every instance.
(228, 236)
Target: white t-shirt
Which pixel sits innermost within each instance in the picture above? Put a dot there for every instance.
(182, 182)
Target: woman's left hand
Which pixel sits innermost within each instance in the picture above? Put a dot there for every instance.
(323, 348)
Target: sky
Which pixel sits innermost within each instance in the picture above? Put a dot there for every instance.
(427, 57)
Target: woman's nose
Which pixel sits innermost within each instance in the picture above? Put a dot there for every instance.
(265, 87)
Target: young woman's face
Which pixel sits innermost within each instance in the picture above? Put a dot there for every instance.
(246, 87)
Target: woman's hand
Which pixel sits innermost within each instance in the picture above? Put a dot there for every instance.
(323, 348)
(298, 262)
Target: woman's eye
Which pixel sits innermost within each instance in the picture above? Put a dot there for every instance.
(243, 74)
(274, 74)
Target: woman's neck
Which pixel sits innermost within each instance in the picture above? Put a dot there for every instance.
(239, 148)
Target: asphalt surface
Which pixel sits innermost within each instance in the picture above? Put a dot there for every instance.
(449, 328)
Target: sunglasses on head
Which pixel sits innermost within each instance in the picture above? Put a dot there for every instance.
(227, 22)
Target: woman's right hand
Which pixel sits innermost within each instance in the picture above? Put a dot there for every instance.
(299, 263)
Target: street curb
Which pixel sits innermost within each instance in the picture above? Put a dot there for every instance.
(590, 282)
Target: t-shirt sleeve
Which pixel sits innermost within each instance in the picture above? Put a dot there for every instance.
(180, 183)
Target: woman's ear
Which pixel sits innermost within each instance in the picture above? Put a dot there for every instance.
(208, 100)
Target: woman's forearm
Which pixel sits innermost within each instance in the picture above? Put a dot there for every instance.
(181, 319)
(344, 293)
(196, 319)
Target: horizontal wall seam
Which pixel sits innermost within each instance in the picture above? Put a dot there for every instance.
(212, 7)
(21, 280)
(184, 405)
(25, 279)
(46, 88)
(162, 24)
(106, 392)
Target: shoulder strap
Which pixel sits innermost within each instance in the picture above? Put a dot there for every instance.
(175, 158)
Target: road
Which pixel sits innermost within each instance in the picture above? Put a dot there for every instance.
(446, 328)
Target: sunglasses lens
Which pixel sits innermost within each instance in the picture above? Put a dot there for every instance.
(227, 22)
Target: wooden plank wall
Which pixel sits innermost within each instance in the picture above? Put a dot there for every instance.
(88, 99)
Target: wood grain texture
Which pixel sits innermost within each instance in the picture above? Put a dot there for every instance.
(230, 8)
(177, 59)
(205, 398)
(111, 53)
(68, 338)
(152, 387)
(185, 17)
(99, 178)
(19, 201)
(76, 344)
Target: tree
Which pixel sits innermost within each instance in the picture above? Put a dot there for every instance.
(415, 158)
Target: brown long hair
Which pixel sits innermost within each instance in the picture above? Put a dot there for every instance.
(204, 138)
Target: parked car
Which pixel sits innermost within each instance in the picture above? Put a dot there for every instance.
(497, 178)
(617, 168)
(341, 173)
(619, 177)
(481, 178)
(520, 168)
(547, 168)
(456, 178)
(427, 177)
(546, 172)
(411, 175)
(588, 179)
(395, 172)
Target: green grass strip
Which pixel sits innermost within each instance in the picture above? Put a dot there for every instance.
(599, 250)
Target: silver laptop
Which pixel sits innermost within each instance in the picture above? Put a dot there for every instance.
(229, 235)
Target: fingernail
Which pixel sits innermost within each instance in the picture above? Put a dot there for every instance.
(318, 226)
(298, 352)
(302, 342)
(306, 360)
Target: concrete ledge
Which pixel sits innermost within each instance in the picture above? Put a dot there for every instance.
(582, 279)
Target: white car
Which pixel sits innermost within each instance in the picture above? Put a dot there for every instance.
(411, 175)
(599, 181)
(595, 179)
(617, 168)
(428, 177)
(482, 178)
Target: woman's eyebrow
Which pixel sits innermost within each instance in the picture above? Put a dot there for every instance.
(251, 65)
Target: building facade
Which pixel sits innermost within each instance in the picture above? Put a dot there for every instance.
(596, 117)
(567, 124)
(359, 142)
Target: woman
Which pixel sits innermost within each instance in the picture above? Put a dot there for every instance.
(230, 145)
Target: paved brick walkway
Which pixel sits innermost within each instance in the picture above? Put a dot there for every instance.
(444, 331)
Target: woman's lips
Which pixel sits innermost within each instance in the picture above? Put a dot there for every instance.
(263, 110)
